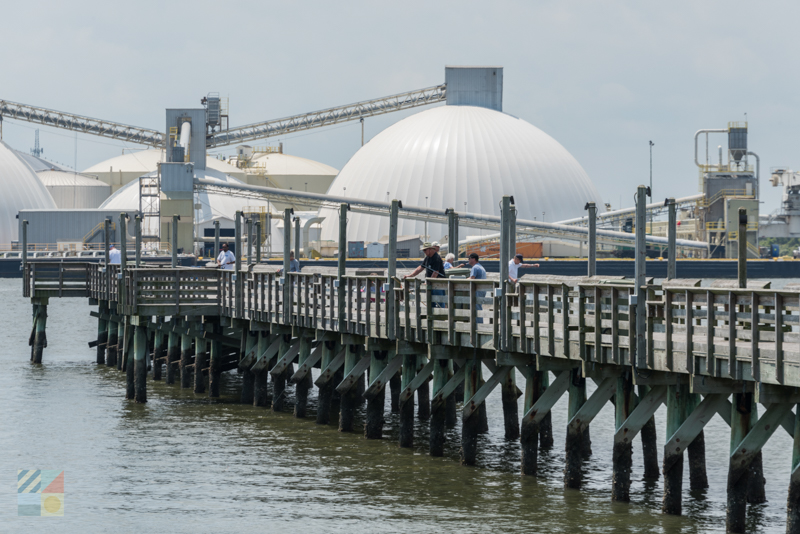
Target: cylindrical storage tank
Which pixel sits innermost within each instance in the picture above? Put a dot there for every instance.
(21, 189)
(460, 157)
(72, 190)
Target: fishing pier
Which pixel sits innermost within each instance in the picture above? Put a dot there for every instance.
(725, 347)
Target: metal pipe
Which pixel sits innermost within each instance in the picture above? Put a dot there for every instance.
(475, 220)
(306, 231)
(592, 259)
(137, 231)
(258, 241)
(758, 171)
(391, 270)
(216, 239)
(622, 212)
(673, 231)
(174, 244)
(742, 248)
(697, 134)
(186, 136)
(641, 279)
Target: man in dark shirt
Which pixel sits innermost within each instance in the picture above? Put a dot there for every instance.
(434, 268)
(432, 264)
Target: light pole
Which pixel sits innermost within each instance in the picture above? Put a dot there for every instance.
(426, 221)
(651, 184)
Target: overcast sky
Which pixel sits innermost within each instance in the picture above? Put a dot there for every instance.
(602, 78)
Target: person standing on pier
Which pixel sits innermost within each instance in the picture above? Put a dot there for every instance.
(515, 265)
(226, 259)
(294, 264)
(476, 270)
(114, 255)
(449, 260)
(432, 264)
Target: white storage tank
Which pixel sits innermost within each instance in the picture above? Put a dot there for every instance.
(71, 190)
(21, 189)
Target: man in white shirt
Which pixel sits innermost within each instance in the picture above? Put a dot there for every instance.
(514, 266)
(226, 259)
(114, 255)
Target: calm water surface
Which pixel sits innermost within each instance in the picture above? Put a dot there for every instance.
(185, 463)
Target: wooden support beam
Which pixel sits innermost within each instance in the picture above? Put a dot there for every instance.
(305, 368)
(548, 399)
(421, 377)
(641, 414)
(327, 374)
(756, 438)
(456, 380)
(287, 358)
(589, 410)
(691, 427)
(262, 360)
(383, 378)
(472, 404)
(355, 373)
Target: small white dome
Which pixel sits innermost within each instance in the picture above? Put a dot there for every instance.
(275, 169)
(213, 205)
(123, 169)
(455, 155)
(72, 190)
(21, 189)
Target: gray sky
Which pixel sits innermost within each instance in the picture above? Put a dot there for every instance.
(602, 78)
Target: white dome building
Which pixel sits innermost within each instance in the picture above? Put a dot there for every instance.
(276, 169)
(126, 168)
(462, 157)
(71, 190)
(21, 189)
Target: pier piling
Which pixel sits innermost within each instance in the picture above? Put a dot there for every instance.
(304, 384)
(102, 332)
(407, 406)
(741, 409)
(111, 343)
(677, 400)
(139, 366)
(200, 362)
(471, 425)
(622, 456)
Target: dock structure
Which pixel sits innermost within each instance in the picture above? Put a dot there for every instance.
(701, 350)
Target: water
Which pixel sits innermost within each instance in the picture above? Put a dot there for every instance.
(185, 463)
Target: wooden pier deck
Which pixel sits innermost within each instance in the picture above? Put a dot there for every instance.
(701, 346)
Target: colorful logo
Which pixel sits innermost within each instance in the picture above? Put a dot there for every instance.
(40, 492)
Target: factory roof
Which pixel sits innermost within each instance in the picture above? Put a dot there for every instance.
(56, 178)
(286, 165)
(145, 161)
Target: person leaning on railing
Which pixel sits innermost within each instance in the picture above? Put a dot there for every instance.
(226, 260)
(515, 265)
(433, 266)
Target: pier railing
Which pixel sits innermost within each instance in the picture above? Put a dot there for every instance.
(739, 334)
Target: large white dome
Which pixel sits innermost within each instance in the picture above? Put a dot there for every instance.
(21, 189)
(457, 154)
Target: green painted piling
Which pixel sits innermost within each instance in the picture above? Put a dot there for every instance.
(111, 344)
(508, 390)
(373, 426)
(325, 393)
(696, 452)
(158, 351)
(186, 360)
(756, 491)
(546, 426)
(279, 381)
(173, 354)
(304, 385)
(120, 344)
(215, 363)
(622, 459)
(395, 385)
(793, 501)
(741, 413)
(248, 378)
(407, 407)
(350, 398)
(677, 410)
(140, 364)
(200, 363)
(40, 335)
(130, 361)
(649, 438)
(576, 444)
(102, 332)
(261, 376)
(529, 435)
(441, 374)
(471, 426)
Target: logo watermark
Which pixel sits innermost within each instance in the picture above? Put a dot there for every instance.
(40, 492)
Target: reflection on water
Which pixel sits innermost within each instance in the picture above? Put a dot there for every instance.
(185, 463)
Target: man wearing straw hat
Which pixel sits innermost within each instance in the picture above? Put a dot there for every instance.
(432, 264)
